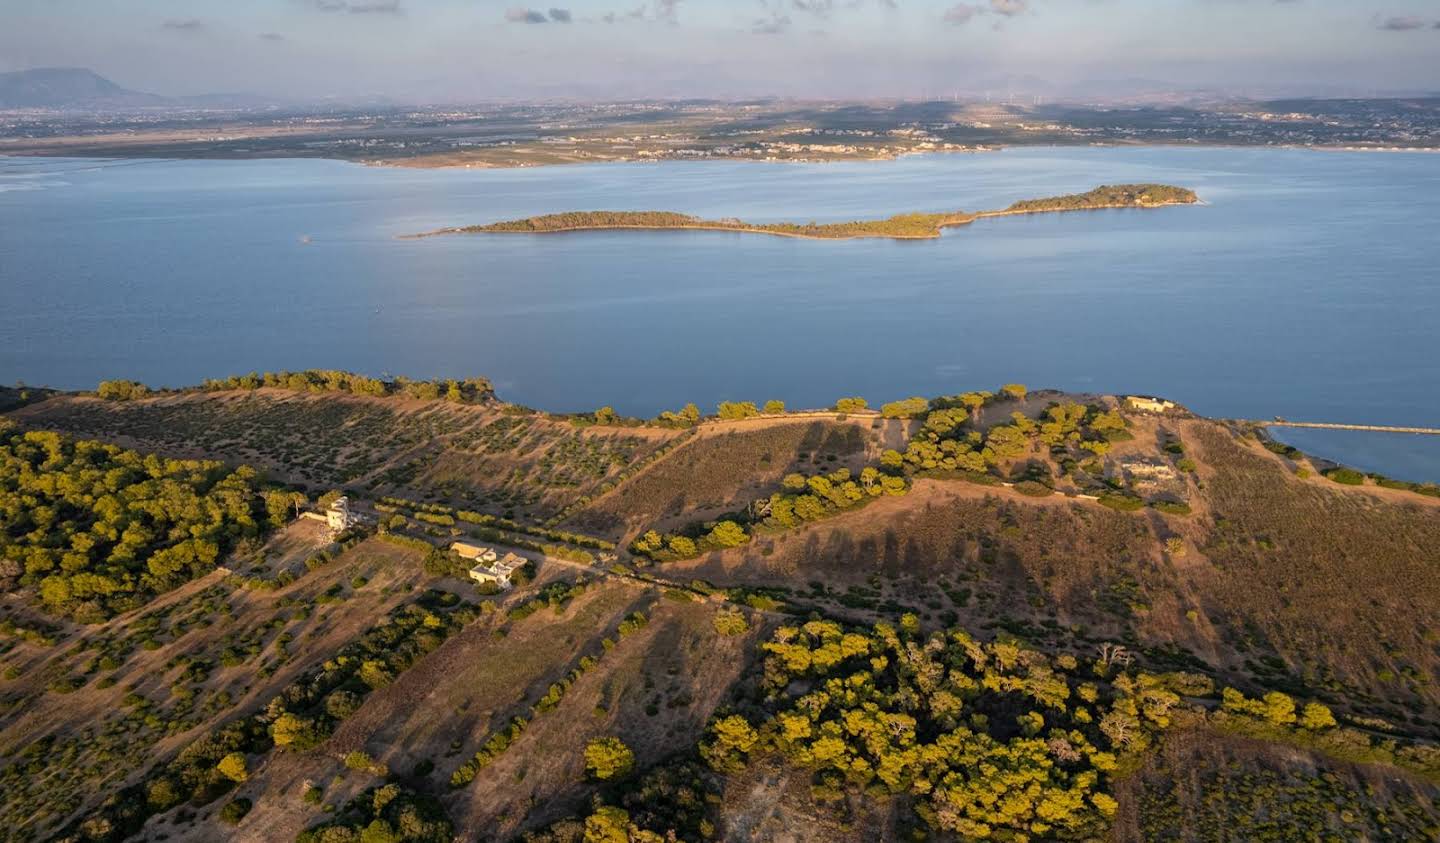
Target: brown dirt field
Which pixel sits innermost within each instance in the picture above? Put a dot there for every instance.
(724, 467)
(677, 663)
(1324, 590)
(1339, 583)
(454, 696)
(390, 571)
(772, 802)
(470, 456)
(1212, 784)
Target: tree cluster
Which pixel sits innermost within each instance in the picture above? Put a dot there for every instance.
(387, 814)
(467, 391)
(96, 529)
(989, 739)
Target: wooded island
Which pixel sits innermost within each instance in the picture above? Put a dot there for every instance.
(916, 226)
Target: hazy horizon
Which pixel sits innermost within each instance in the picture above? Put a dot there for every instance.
(457, 51)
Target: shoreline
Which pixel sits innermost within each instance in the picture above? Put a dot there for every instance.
(420, 162)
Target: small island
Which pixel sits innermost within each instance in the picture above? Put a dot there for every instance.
(917, 226)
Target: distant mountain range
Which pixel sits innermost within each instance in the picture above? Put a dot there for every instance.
(82, 88)
(68, 87)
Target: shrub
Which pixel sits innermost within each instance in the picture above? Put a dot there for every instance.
(122, 390)
(1172, 507)
(1122, 503)
(731, 623)
(235, 811)
(1034, 489)
(1346, 476)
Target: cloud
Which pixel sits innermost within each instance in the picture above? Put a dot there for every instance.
(183, 25)
(380, 7)
(818, 8)
(961, 13)
(665, 11)
(1401, 23)
(773, 25)
(271, 36)
(368, 7)
(560, 15)
(519, 14)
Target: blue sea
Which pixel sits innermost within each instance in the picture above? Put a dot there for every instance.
(1307, 286)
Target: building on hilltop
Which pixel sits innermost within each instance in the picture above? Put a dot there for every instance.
(1149, 405)
(339, 517)
(499, 571)
(475, 553)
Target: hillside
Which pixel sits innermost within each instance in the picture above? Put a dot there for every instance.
(1001, 614)
(67, 87)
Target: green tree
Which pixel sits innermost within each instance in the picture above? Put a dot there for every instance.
(774, 407)
(608, 824)
(608, 758)
(853, 404)
(907, 408)
(726, 534)
(1315, 717)
(733, 410)
(233, 767)
(122, 390)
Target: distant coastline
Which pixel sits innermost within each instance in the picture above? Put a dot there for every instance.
(918, 226)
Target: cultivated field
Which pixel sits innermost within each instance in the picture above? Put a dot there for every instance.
(479, 457)
(725, 467)
(105, 705)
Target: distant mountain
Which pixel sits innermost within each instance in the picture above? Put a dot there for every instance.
(67, 87)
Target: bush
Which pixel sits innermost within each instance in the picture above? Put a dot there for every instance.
(1346, 476)
(1122, 503)
(1034, 489)
(122, 390)
(731, 623)
(1172, 507)
(235, 811)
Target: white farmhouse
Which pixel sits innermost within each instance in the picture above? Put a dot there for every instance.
(497, 572)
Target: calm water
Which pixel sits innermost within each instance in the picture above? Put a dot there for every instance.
(1307, 287)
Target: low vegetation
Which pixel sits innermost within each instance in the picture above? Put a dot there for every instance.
(900, 226)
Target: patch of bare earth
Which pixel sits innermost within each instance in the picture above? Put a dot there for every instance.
(217, 615)
(726, 465)
(772, 802)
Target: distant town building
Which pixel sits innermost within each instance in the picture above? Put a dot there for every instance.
(498, 571)
(1148, 404)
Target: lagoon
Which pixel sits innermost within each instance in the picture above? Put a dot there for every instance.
(1307, 286)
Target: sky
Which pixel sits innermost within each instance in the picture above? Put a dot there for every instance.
(481, 51)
